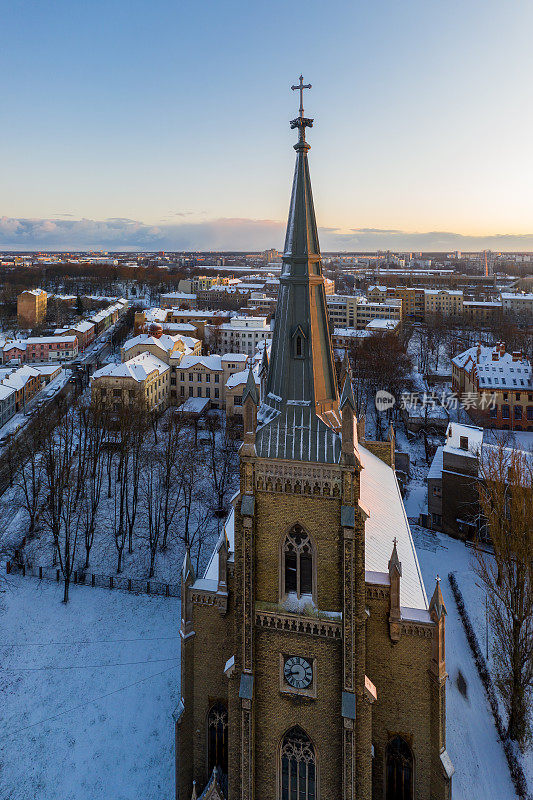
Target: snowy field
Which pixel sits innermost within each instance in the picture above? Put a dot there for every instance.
(88, 691)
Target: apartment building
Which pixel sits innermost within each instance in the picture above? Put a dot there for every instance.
(31, 308)
(446, 302)
(41, 348)
(25, 381)
(205, 376)
(169, 349)
(143, 379)
(453, 481)
(239, 335)
(351, 311)
(482, 311)
(7, 403)
(84, 332)
(498, 385)
(519, 304)
(178, 300)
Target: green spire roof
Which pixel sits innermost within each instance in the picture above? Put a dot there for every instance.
(300, 410)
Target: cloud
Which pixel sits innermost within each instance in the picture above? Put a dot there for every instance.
(229, 233)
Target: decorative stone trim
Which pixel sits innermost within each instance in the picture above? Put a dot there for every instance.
(204, 597)
(274, 620)
(417, 629)
(377, 592)
(297, 478)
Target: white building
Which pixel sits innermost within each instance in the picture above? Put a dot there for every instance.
(240, 335)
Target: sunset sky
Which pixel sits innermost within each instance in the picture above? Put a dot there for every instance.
(165, 124)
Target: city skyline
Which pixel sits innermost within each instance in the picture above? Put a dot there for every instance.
(420, 138)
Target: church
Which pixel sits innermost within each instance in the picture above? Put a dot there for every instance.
(313, 666)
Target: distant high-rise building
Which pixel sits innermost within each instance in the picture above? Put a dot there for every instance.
(31, 308)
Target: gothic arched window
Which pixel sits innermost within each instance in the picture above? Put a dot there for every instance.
(298, 766)
(297, 562)
(399, 770)
(217, 738)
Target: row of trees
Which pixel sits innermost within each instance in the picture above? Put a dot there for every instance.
(130, 480)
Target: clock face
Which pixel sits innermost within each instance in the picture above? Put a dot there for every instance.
(298, 672)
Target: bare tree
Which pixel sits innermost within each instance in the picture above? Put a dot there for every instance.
(222, 457)
(93, 435)
(64, 479)
(30, 479)
(153, 508)
(506, 504)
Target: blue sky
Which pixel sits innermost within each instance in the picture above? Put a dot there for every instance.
(165, 124)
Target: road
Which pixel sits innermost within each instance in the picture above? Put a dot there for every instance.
(48, 411)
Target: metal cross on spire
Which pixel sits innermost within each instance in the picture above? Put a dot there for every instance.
(301, 86)
(301, 122)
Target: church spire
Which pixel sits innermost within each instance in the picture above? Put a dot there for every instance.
(301, 370)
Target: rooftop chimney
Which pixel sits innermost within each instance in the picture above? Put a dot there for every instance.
(517, 355)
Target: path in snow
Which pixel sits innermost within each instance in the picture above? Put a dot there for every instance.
(481, 771)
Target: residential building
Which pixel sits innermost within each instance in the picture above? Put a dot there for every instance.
(41, 348)
(445, 302)
(25, 381)
(178, 300)
(84, 332)
(31, 308)
(169, 349)
(519, 304)
(143, 379)
(240, 335)
(453, 481)
(205, 376)
(348, 311)
(497, 385)
(7, 403)
(482, 311)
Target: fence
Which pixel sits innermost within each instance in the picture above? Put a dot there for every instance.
(133, 585)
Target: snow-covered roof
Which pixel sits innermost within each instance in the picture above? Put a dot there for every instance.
(517, 296)
(382, 324)
(18, 379)
(82, 327)
(380, 496)
(15, 343)
(456, 431)
(194, 405)
(209, 362)
(5, 392)
(496, 370)
(240, 378)
(165, 342)
(139, 368)
(235, 357)
(435, 470)
(50, 339)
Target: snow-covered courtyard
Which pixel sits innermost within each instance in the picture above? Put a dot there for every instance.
(88, 690)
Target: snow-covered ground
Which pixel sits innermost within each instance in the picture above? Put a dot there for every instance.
(88, 691)
(481, 771)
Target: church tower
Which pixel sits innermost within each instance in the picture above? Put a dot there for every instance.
(312, 604)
